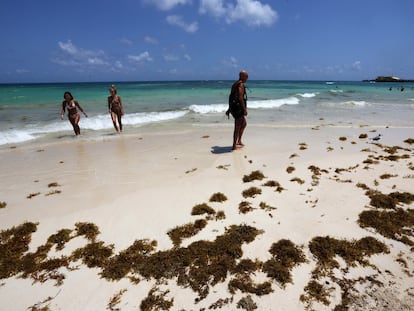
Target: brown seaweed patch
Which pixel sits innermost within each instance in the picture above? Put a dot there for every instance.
(89, 230)
(342, 138)
(326, 248)
(290, 169)
(409, 141)
(255, 175)
(115, 300)
(251, 192)
(247, 303)
(223, 167)
(298, 180)
(247, 266)
(31, 195)
(201, 209)
(14, 242)
(294, 155)
(94, 254)
(363, 136)
(266, 207)
(129, 259)
(203, 263)
(303, 146)
(220, 303)
(53, 192)
(245, 284)
(387, 176)
(186, 231)
(218, 197)
(191, 171)
(286, 255)
(395, 224)
(156, 300)
(317, 292)
(60, 238)
(220, 215)
(3, 204)
(245, 207)
(38, 306)
(53, 184)
(390, 201)
(271, 183)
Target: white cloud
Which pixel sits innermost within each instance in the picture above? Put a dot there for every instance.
(71, 55)
(143, 57)
(212, 7)
(356, 65)
(187, 57)
(171, 58)
(166, 5)
(150, 40)
(118, 65)
(231, 62)
(253, 13)
(177, 20)
(68, 47)
(22, 71)
(125, 41)
(96, 61)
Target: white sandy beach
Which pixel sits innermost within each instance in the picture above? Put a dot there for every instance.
(135, 187)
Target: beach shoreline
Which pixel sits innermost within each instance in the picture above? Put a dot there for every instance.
(140, 186)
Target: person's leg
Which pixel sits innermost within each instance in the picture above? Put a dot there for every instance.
(236, 132)
(119, 114)
(76, 126)
(243, 125)
(113, 117)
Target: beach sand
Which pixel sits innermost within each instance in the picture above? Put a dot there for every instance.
(298, 242)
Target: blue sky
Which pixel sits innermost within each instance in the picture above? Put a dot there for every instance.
(143, 40)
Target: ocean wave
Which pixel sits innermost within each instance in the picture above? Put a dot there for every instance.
(273, 103)
(204, 109)
(307, 95)
(251, 104)
(347, 104)
(96, 123)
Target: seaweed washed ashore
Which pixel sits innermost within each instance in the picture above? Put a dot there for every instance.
(201, 265)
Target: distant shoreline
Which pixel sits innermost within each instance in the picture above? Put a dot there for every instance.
(389, 79)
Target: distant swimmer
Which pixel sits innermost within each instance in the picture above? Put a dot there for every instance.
(71, 106)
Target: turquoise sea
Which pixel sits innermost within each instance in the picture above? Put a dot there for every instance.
(31, 112)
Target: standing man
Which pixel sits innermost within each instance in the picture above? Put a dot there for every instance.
(238, 108)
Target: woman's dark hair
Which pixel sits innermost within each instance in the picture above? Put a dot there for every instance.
(68, 93)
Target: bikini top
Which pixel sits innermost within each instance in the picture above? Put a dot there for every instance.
(70, 106)
(115, 102)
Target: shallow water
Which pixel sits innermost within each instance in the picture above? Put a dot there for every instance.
(29, 112)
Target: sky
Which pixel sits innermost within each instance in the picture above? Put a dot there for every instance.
(154, 40)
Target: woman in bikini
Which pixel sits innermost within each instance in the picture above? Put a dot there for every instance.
(115, 107)
(71, 106)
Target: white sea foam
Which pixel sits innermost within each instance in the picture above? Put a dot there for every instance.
(96, 123)
(347, 104)
(273, 103)
(307, 95)
(251, 104)
(15, 136)
(203, 109)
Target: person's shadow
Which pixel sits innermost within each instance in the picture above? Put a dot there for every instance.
(221, 149)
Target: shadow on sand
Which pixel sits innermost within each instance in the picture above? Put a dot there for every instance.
(221, 149)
